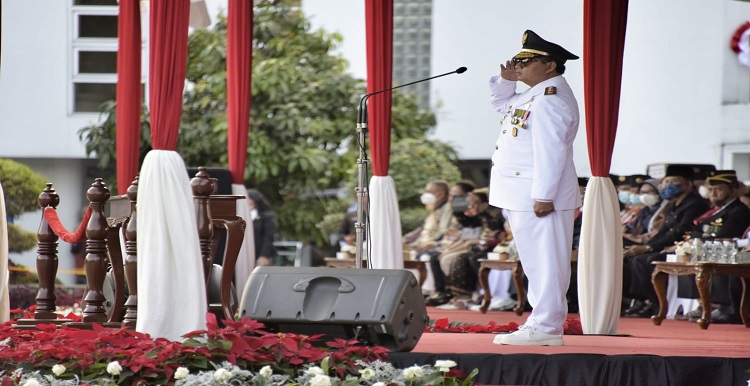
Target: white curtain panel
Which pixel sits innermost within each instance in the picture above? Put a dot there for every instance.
(600, 259)
(385, 225)
(4, 273)
(246, 258)
(171, 288)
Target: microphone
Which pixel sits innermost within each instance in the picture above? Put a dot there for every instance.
(362, 109)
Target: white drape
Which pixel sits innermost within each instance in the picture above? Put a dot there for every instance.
(744, 44)
(171, 287)
(4, 273)
(600, 259)
(385, 225)
(246, 258)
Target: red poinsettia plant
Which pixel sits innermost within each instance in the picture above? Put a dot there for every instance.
(572, 326)
(128, 357)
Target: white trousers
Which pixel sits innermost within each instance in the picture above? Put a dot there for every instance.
(544, 246)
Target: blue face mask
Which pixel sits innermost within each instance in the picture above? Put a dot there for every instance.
(624, 196)
(635, 199)
(670, 191)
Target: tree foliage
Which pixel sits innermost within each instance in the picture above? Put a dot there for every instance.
(21, 187)
(302, 120)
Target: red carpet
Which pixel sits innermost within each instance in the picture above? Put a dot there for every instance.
(676, 353)
(635, 336)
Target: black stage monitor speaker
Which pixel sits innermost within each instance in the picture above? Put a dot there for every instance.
(374, 306)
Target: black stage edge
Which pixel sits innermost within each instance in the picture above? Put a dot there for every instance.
(589, 369)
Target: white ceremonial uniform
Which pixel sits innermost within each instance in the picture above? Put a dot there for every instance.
(533, 160)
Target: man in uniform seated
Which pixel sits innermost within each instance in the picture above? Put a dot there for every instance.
(728, 218)
(684, 206)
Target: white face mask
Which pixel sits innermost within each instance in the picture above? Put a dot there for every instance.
(703, 191)
(649, 199)
(427, 198)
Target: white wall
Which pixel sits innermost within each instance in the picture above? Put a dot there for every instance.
(480, 35)
(35, 82)
(677, 70)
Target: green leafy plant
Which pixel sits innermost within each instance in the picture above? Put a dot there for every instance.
(303, 111)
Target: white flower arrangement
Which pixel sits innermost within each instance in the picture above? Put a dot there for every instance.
(376, 373)
(114, 368)
(350, 249)
(58, 369)
(509, 248)
(181, 373)
(684, 248)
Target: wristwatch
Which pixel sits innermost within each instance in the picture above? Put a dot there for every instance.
(649, 248)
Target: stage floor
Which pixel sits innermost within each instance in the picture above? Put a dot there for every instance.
(635, 336)
(676, 353)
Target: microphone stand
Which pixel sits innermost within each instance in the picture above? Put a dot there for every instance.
(361, 190)
(362, 161)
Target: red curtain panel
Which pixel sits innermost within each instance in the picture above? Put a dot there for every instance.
(239, 75)
(603, 44)
(168, 27)
(379, 31)
(128, 93)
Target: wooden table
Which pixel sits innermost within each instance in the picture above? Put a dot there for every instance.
(515, 267)
(485, 265)
(703, 273)
(417, 265)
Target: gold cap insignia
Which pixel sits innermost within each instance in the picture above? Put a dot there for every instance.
(523, 39)
(551, 90)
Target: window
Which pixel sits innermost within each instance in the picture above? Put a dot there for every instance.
(97, 26)
(95, 2)
(93, 54)
(97, 62)
(90, 96)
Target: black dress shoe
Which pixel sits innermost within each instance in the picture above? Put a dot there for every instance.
(438, 298)
(647, 310)
(634, 308)
(719, 317)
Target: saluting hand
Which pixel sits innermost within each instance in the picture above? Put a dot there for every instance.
(542, 208)
(508, 71)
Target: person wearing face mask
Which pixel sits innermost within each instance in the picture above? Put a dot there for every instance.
(623, 191)
(684, 205)
(728, 218)
(633, 204)
(462, 278)
(454, 242)
(646, 223)
(440, 212)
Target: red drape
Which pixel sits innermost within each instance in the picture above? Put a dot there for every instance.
(379, 30)
(239, 75)
(128, 93)
(168, 27)
(604, 24)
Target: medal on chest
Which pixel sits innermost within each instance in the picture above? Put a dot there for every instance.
(518, 117)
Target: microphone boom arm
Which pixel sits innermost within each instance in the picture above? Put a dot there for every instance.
(362, 162)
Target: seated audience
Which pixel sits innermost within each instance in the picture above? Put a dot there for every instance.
(728, 218)
(462, 278)
(645, 225)
(454, 243)
(634, 205)
(684, 205)
(427, 236)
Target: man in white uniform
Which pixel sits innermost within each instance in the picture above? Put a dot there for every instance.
(534, 179)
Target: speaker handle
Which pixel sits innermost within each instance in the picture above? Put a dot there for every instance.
(345, 287)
